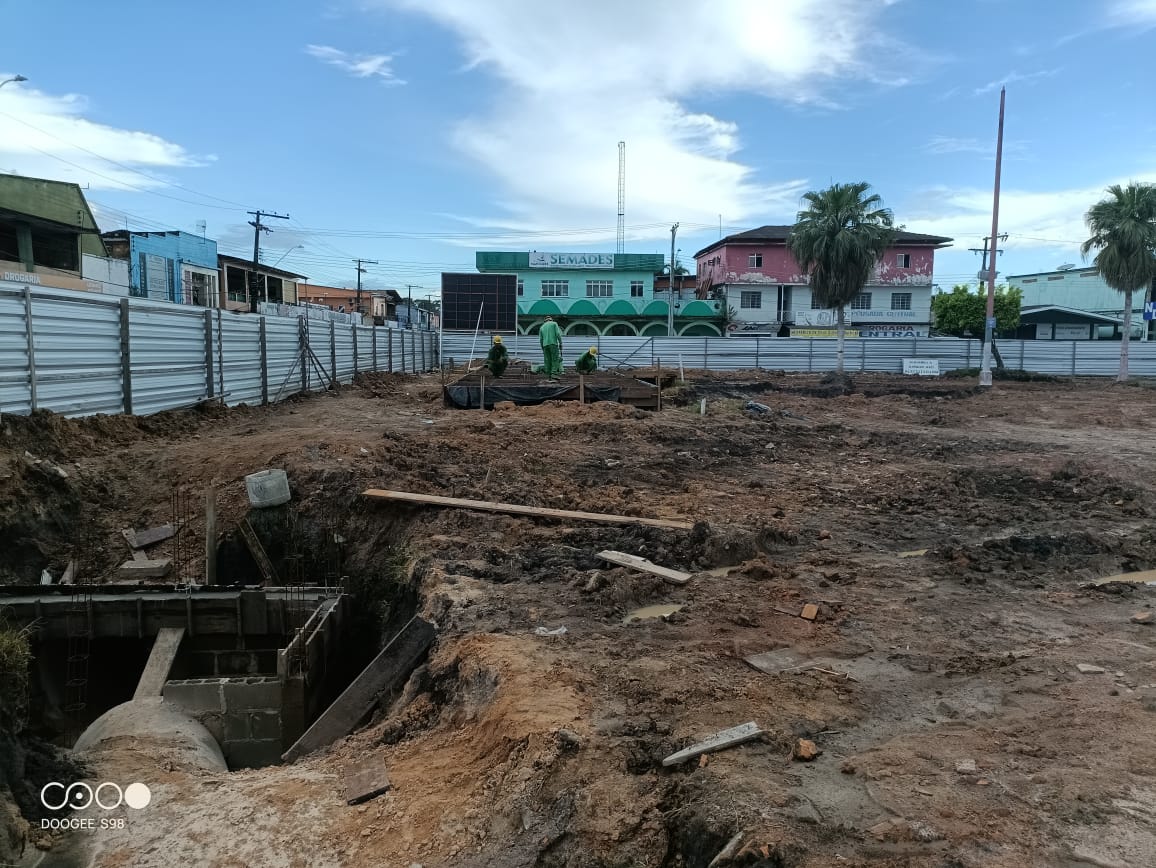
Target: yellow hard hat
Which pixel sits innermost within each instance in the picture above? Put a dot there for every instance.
(497, 339)
(594, 351)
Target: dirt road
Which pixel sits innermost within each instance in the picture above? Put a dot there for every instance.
(944, 535)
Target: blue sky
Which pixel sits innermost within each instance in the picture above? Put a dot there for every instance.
(416, 131)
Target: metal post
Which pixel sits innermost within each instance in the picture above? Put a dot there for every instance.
(670, 296)
(389, 348)
(988, 330)
(482, 393)
(758, 367)
(210, 384)
(220, 356)
(354, 327)
(125, 358)
(211, 536)
(303, 352)
(333, 353)
(705, 354)
(862, 355)
(30, 333)
(810, 355)
(373, 347)
(264, 362)
(1074, 357)
(424, 365)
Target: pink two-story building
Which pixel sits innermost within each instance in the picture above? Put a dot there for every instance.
(757, 276)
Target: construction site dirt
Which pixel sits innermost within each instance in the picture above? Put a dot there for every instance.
(931, 714)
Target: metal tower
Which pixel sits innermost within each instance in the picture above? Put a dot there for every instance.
(621, 198)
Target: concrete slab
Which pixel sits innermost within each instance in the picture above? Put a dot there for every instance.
(135, 570)
(387, 670)
(160, 662)
(365, 779)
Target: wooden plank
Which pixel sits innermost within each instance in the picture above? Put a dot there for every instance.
(258, 551)
(133, 570)
(138, 555)
(677, 577)
(160, 662)
(517, 509)
(141, 539)
(211, 537)
(69, 573)
(720, 740)
(365, 779)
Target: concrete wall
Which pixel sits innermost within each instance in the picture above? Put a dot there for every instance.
(111, 274)
(1081, 289)
(243, 715)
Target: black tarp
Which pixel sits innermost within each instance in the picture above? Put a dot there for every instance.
(469, 397)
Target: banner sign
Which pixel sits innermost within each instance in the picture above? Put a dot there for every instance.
(571, 260)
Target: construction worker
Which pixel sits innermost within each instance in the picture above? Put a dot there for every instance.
(497, 359)
(551, 338)
(587, 362)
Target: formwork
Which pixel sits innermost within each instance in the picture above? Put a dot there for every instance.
(520, 385)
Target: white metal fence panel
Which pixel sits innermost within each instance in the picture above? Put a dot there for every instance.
(363, 360)
(15, 370)
(167, 353)
(240, 371)
(343, 338)
(77, 353)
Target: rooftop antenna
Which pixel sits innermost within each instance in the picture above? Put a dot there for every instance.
(621, 248)
(201, 227)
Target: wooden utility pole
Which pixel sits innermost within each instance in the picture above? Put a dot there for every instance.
(258, 228)
(989, 321)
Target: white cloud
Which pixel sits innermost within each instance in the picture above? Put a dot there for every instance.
(958, 145)
(1032, 219)
(357, 65)
(47, 136)
(577, 78)
(1126, 13)
(1015, 77)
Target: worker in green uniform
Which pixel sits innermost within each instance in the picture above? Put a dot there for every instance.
(587, 362)
(497, 359)
(551, 338)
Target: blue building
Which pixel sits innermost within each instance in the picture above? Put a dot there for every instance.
(169, 266)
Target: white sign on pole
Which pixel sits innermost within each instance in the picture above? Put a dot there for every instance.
(571, 260)
(921, 367)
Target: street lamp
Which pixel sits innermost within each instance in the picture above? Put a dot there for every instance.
(287, 252)
(17, 78)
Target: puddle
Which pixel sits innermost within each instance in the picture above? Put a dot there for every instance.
(658, 611)
(1144, 577)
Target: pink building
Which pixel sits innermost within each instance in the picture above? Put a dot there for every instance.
(760, 279)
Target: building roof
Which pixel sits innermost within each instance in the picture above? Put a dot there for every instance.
(778, 234)
(1037, 312)
(123, 234)
(1087, 271)
(225, 259)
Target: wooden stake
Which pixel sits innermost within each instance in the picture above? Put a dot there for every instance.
(581, 388)
(482, 394)
(211, 536)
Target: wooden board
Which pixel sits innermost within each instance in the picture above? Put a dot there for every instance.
(365, 779)
(1144, 577)
(133, 570)
(257, 551)
(677, 577)
(723, 739)
(139, 539)
(516, 509)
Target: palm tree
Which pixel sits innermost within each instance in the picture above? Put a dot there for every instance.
(838, 240)
(1123, 228)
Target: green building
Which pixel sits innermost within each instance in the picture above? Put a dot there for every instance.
(45, 229)
(600, 294)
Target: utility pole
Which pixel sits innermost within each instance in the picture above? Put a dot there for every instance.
(361, 271)
(983, 268)
(410, 287)
(989, 322)
(258, 228)
(670, 298)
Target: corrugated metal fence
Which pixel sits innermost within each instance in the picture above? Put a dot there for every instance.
(80, 353)
(1065, 358)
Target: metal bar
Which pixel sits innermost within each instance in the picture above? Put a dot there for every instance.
(125, 358)
(424, 366)
(333, 352)
(758, 367)
(354, 327)
(1074, 355)
(210, 383)
(810, 355)
(373, 344)
(220, 354)
(30, 333)
(211, 536)
(264, 362)
(302, 348)
(389, 343)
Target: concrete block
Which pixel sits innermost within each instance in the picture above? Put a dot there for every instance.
(196, 695)
(254, 612)
(265, 725)
(386, 671)
(252, 694)
(236, 728)
(215, 724)
(253, 754)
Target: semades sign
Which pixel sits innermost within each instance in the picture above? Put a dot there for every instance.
(571, 260)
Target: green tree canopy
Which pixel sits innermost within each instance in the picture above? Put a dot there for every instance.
(838, 240)
(1123, 227)
(963, 310)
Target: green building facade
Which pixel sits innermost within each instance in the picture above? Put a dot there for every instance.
(599, 294)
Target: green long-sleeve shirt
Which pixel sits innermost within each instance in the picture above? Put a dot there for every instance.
(550, 334)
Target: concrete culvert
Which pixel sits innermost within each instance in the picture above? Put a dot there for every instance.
(155, 731)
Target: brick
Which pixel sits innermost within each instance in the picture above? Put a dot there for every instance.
(237, 727)
(253, 754)
(215, 724)
(810, 612)
(805, 750)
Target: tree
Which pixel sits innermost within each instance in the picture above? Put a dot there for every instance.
(1123, 227)
(838, 240)
(963, 310)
